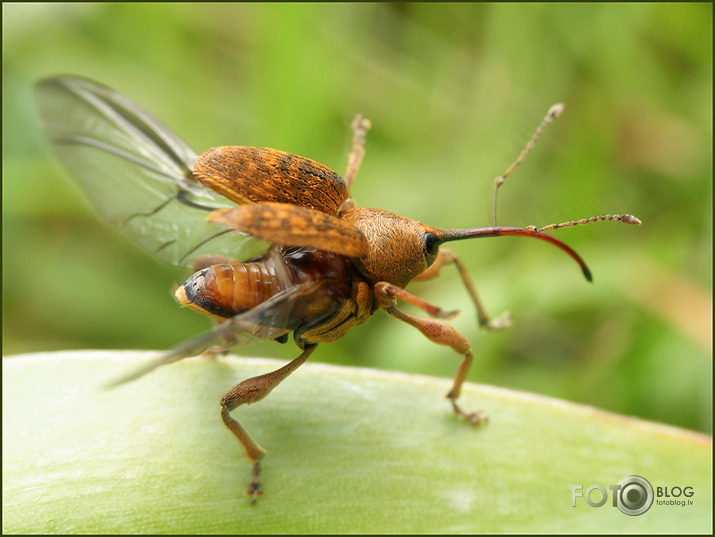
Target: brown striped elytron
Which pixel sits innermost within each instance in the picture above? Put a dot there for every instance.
(329, 266)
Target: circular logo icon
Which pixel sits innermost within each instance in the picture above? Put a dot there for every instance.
(635, 495)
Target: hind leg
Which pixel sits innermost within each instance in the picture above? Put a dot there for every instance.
(247, 392)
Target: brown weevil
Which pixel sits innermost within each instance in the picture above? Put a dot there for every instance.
(329, 266)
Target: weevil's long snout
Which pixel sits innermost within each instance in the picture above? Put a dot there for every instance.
(446, 235)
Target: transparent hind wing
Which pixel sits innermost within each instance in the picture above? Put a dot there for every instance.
(269, 320)
(136, 172)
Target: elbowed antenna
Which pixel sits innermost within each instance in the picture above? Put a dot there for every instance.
(445, 235)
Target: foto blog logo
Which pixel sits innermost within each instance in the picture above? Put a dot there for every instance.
(633, 495)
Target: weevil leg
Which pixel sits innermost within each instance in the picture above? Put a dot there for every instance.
(250, 391)
(445, 257)
(359, 126)
(445, 334)
(387, 295)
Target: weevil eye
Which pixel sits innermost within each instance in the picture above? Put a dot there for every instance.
(431, 244)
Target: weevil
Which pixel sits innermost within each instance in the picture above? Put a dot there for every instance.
(329, 266)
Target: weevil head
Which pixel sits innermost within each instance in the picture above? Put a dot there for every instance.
(400, 248)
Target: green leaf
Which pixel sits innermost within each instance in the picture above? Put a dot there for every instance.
(349, 450)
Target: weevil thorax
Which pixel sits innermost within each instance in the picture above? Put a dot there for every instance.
(400, 248)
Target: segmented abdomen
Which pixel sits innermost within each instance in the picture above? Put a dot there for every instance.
(227, 289)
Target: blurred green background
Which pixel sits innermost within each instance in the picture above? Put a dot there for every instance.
(453, 91)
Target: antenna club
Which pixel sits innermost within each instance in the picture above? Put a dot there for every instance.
(630, 220)
(360, 125)
(555, 111)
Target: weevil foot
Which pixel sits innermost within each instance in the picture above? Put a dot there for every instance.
(500, 323)
(476, 417)
(447, 315)
(254, 490)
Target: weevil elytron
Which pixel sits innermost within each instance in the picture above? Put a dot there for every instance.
(330, 264)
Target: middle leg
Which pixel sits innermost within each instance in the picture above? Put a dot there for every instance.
(445, 334)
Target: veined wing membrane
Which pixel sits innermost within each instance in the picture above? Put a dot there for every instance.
(135, 170)
(269, 320)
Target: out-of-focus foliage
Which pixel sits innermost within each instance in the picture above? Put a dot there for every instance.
(453, 92)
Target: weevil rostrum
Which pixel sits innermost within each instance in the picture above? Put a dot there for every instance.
(329, 266)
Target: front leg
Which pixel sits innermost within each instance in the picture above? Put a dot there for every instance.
(440, 332)
(446, 257)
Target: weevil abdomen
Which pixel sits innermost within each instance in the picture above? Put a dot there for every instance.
(227, 289)
(337, 303)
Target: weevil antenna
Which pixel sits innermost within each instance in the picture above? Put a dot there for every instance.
(553, 113)
(624, 218)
